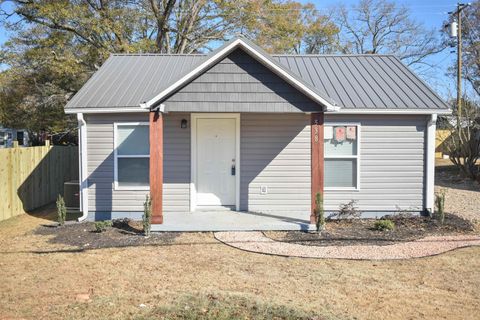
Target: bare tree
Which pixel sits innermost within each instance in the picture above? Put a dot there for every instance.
(471, 46)
(383, 27)
(463, 145)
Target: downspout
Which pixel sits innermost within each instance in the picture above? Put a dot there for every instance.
(82, 167)
(430, 165)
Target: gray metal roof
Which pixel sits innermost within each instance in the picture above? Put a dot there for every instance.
(364, 81)
(351, 81)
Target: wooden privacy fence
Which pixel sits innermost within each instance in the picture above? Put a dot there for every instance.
(441, 139)
(33, 177)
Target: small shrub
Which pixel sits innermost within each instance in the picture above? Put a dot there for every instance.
(348, 211)
(61, 210)
(384, 225)
(101, 226)
(147, 216)
(440, 204)
(319, 212)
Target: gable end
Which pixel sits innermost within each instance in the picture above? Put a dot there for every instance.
(239, 83)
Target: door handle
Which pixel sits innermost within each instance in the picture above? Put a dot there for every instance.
(233, 170)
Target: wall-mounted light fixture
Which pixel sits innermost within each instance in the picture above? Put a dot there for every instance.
(183, 124)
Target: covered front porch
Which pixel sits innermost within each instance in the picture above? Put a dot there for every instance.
(273, 167)
(226, 220)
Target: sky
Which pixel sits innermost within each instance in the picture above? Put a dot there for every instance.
(431, 12)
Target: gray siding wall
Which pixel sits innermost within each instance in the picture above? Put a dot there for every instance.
(101, 194)
(239, 83)
(275, 152)
(392, 158)
(176, 164)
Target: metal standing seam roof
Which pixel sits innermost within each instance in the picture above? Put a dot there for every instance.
(352, 81)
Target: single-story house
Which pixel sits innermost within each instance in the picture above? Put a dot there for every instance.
(242, 130)
(9, 135)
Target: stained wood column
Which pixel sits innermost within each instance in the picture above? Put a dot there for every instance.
(156, 166)
(316, 123)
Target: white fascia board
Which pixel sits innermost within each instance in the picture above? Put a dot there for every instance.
(392, 111)
(220, 55)
(104, 110)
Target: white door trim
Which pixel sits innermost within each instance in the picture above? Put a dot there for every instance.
(193, 154)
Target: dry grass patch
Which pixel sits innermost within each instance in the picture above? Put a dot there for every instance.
(113, 283)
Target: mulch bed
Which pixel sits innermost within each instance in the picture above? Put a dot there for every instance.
(123, 233)
(361, 231)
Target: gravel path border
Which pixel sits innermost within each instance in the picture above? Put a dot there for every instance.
(254, 241)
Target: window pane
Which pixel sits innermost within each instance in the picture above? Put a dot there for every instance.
(340, 173)
(344, 147)
(133, 140)
(133, 172)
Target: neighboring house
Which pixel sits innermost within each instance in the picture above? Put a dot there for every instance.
(8, 135)
(255, 132)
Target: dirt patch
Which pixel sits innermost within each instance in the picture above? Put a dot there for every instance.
(123, 233)
(362, 232)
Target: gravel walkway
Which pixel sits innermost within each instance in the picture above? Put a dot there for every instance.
(463, 203)
(255, 241)
(462, 196)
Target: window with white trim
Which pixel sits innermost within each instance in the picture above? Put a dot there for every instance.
(132, 156)
(341, 146)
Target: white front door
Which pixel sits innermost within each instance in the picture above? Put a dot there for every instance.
(215, 159)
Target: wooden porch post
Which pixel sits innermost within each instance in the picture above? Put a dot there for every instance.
(156, 166)
(316, 123)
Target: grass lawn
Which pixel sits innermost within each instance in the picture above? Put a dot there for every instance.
(195, 276)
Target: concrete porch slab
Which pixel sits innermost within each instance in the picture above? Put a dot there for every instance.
(229, 221)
